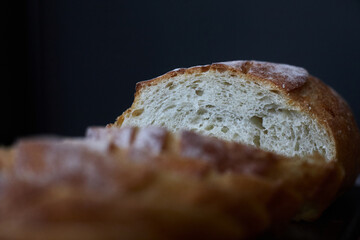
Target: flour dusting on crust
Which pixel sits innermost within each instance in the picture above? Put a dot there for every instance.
(284, 76)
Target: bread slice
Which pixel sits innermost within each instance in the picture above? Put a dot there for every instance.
(276, 107)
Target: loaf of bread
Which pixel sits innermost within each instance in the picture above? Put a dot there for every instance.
(275, 107)
(235, 149)
(147, 183)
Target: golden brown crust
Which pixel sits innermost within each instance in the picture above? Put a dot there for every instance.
(284, 76)
(109, 186)
(303, 91)
(263, 72)
(71, 190)
(317, 183)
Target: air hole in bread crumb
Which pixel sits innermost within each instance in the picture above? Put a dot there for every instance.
(199, 92)
(257, 121)
(297, 146)
(137, 112)
(209, 106)
(170, 85)
(271, 110)
(195, 120)
(219, 119)
(286, 112)
(256, 140)
(169, 107)
(275, 91)
(224, 129)
(201, 111)
(227, 83)
(193, 85)
(209, 127)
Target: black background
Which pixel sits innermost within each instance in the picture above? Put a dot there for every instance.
(68, 64)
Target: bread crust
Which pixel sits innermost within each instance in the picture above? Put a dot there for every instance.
(149, 183)
(316, 183)
(301, 90)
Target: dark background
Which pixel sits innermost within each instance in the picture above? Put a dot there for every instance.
(68, 64)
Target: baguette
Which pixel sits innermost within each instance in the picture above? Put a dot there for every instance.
(148, 183)
(275, 107)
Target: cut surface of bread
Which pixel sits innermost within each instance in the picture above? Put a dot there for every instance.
(231, 108)
(276, 107)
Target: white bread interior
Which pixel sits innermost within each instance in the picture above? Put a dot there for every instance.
(232, 108)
